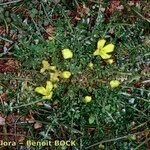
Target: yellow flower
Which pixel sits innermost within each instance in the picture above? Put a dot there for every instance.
(90, 65)
(104, 50)
(54, 76)
(67, 53)
(110, 61)
(114, 83)
(46, 66)
(87, 99)
(66, 74)
(47, 92)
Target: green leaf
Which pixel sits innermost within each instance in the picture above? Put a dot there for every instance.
(91, 119)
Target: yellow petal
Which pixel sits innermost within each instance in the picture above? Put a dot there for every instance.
(87, 99)
(66, 74)
(108, 48)
(114, 83)
(101, 43)
(54, 76)
(67, 53)
(49, 86)
(96, 52)
(42, 70)
(52, 68)
(40, 90)
(104, 55)
(45, 64)
(110, 61)
(48, 96)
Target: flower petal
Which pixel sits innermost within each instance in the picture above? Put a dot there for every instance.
(67, 53)
(108, 48)
(48, 96)
(104, 55)
(54, 76)
(87, 99)
(110, 61)
(96, 52)
(66, 74)
(45, 64)
(52, 68)
(101, 43)
(49, 86)
(114, 83)
(40, 90)
(42, 70)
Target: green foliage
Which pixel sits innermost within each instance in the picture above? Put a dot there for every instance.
(112, 112)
